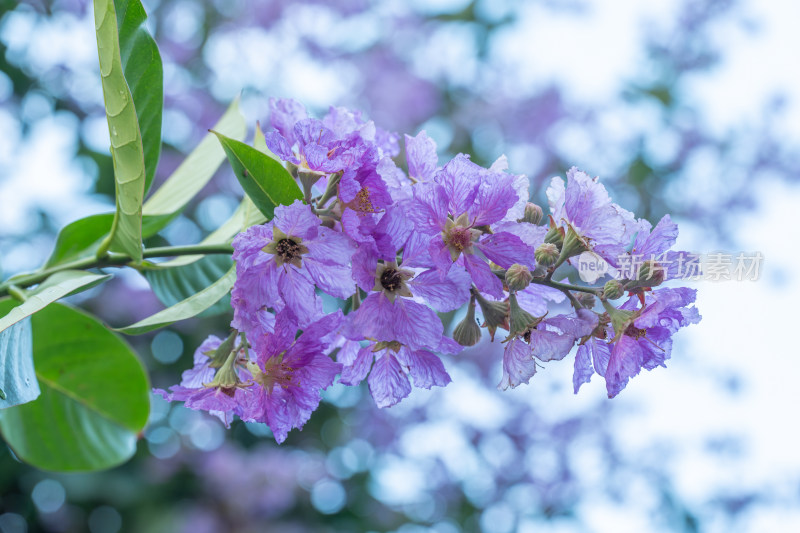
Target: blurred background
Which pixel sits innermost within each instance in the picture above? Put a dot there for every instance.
(688, 107)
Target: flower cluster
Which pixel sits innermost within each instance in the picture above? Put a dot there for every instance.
(393, 248)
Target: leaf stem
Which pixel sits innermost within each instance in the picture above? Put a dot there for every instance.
(111, 259)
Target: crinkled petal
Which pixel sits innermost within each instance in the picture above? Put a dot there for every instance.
(460, 179)
(425, 368)
(299, 296)
(442, 294)
(482, 276)
(505, 249)
(583, 367)
(421, 156)
(428, 209)
(376, 318)
(624, 363)
(416, 325)
(280, 146)
(354, 373)
(387, 382)
(297, 220)
(518, 364)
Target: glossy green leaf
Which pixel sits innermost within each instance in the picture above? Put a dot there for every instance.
(193, 174)
(141, 64)
(55, 287)
(264, 180)
(127, 150)
(17, 378)
(177, 283)
(80, 239)
(95, 396)
(188, 308)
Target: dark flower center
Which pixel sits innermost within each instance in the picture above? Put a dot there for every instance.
(288, 249)
(633, 331)
(391, 280)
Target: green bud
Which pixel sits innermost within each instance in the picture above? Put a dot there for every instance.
(613, 289)
(573, 245)
(620, 319)
(533, 214)
(518, 277)
(220, 355)
(226, 377)
(495, 314)
(521, 320)
(467, 332)
(651, 274)
(546, 254)
(555, 235)
(586, 300)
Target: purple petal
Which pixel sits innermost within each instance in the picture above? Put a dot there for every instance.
(284, 114)
(482, 276)
(354, 373)
(624, 363)
(376, 318)
(505, 249)
(421, 156)
(518, 364)
(298, 295)
(416, 325)
(280, 146)
(495, 197)
(551, 346)
(297, 220)
(442, 294)
(428, 209)
(583, 367)
(425, 368)
(387, 382)
(460, 179)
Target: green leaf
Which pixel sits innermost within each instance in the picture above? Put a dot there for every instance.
(266, 181)
(188, 308)
(17, 379)
(193, 174)
(127, 151)
(55, 287)
(141, 64)
(80, 239)
(94, 401)
(177, 283)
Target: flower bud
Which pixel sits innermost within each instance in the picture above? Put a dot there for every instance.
(521, 320)
(574, 244)
(555, 235)
(546, 254)
(518, 277)
(586, 300)
(620, 319)
(495, 314)
(533, 214)
(220, 355)
(467, 332)
(613, 289)
(651, 274)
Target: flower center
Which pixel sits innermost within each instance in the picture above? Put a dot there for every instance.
(633, 331)
(288, 250)
(459, 238)
(391, 279)
(362, 202)
(275, 372)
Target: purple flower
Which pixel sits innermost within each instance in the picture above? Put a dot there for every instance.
(456, 209)
(203, 390)
(315, 147)
(289, 374)
(392, 310)
(643, 338)
(391, 364)
(349, 124)
(279, 263)
(550, 339)
(653, 244)
(585, 205)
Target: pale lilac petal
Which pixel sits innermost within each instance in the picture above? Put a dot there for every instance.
(442, 294)
(496, 196)
(284, 114)
(280, 146)
(354, 373)
(505, 249)
(518, 364)
(428, 209)
(583, 368)
(376, 318)
(482, 276)
(299, 296)
(387, 382)
(416, 325)
(534, 298)
(297, 220)
(624, 363)
(425, 368)
(460, 179)
(421, 156)
(551, 346)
